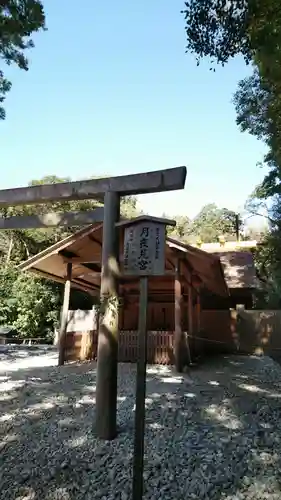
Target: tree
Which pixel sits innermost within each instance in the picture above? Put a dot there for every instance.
(212, 222)
(129, 207)
(18, 20)
(208, 226)
(222, 29)
(182, 227)
(268, 267)
(259, 207)
(30, 305)
(258, 107)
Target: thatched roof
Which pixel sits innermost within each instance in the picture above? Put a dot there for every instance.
(237, 261)
(239, 269)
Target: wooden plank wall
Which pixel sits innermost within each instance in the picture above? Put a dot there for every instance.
(246, 331)
(258, 332)
(160, 316)
(216, 330)
(159, 347)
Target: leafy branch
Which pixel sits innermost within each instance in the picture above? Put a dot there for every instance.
(18, 20)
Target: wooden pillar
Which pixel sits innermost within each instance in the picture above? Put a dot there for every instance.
(179, 362)
(198, 309)
(65, 307)
(190, 316)
(190, 307)
(106, 391)
(92, 334)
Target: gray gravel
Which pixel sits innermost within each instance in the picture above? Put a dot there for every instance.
(215, 434)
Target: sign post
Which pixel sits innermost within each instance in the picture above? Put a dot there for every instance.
(144, 256)
(140, 393)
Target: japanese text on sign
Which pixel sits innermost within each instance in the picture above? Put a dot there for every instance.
(144, 249)
(143, 258)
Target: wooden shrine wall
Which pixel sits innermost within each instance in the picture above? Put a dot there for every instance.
(160, 316)
(82, 346)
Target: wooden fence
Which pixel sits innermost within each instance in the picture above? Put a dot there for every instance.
(259, 332)
(244, 331)
(83, 346)
(218, 331)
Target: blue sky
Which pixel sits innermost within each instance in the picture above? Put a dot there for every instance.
(111, 91)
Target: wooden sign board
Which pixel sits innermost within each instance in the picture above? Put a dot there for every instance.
(144, 249)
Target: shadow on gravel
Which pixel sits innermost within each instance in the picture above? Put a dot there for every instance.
(231, 446)
(215, 434)
(12, 353)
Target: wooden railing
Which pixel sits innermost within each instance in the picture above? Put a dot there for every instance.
(83, 346)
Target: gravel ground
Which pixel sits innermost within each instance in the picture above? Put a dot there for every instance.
(215, 434)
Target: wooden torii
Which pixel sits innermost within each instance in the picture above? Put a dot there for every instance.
(107, 191)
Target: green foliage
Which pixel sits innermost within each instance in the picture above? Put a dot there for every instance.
(18, 20)
(212, 222)
(258, 107)
(37, 307)
(8, 277)
(268, 265)
(29, 304)
(208, 226)
(217, 29)
(220, 30)
(182, 227)
(129, 207)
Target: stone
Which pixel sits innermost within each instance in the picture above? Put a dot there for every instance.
(187, 438)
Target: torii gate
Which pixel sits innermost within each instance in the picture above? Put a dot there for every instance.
(108, 191)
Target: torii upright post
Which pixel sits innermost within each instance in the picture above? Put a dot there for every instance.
(106, 392)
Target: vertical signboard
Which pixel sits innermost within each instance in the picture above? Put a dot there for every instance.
(144, 249)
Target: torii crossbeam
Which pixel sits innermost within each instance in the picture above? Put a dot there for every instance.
(125, 185)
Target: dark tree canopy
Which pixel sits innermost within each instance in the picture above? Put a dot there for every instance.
(212, 223)
(19, 19)
(208, 226)
(217, 29)
(258, 108)
(222, 29)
